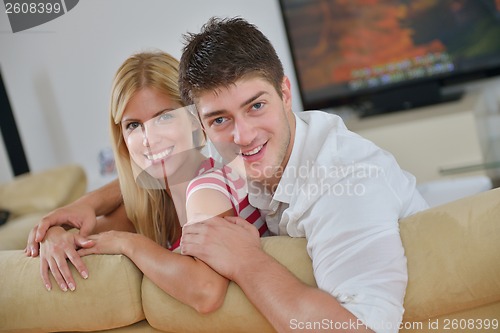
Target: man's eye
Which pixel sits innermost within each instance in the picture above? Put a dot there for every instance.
(219, 121)
(257, 106)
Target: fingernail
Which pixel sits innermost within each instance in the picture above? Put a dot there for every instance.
(64, 287)
(85, 274)
(71, 286)
(33, 252)
(47, 286)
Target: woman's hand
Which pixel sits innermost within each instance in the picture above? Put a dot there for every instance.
(57, 246)
(77, 215)
(109, 242)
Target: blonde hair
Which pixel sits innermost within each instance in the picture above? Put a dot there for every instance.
(150, 208)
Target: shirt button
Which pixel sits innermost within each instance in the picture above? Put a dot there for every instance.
(343, 298)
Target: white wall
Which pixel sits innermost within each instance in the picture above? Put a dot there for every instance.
(58, 75)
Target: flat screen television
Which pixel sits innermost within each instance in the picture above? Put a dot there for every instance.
(379, 56)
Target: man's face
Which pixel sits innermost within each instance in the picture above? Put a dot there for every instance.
(249, 120)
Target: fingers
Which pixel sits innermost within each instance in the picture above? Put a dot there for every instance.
(54, 269)
(83, 242)
(191, 239)
(32, 246)
(238, 221)
(42, 229)
(58, 217)
(88, 245)
(85, 252)
(87, 228)
(243, 223)
(61, 272)
(80, 266)
(44, 273)
(193, 249)
(54, 255)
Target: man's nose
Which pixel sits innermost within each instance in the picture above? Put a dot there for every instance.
(244, 132)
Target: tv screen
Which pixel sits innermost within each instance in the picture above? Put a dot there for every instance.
(385, 55)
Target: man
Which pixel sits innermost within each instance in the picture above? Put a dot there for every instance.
(309, 176)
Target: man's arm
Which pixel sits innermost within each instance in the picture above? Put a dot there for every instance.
(233, 249)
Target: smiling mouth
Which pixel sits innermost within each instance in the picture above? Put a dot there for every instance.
(159, 156)
(254, 151)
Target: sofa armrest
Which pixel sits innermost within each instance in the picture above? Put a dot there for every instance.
(43, 191)
(109, 298)
(237, 314)
(453, 254)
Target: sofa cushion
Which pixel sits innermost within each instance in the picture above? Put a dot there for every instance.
(453, 254)
(475, 320)
(14, 234)
(43, 191)
(109, 298)
(237, 314)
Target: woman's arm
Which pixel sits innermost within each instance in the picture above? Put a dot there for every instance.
(82, 213)
(187, 279)
(116, 220)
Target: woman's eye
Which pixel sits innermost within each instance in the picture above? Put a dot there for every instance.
(165, 116)
(132, 126)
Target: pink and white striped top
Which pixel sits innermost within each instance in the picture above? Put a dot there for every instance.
(233, 186)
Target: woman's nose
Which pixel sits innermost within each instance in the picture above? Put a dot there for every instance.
(149, 135)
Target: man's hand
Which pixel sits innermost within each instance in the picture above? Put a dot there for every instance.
(77, 215)
(58, 246)
(222, 243)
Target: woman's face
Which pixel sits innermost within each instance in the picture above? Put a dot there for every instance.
(156, 131)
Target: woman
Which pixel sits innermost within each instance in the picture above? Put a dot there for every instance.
(157, 144)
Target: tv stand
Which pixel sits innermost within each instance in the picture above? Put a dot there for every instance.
(406, 98)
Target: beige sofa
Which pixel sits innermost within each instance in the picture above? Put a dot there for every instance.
(30, 196)
(454, 283)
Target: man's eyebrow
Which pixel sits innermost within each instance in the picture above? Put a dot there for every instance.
(218, 113)
(213, 114)
(253, 98)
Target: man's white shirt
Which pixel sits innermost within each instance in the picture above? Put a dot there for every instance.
(346, 196)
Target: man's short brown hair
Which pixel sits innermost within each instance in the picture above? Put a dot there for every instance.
(225, 51)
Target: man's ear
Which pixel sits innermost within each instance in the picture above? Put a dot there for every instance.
(286, 93)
